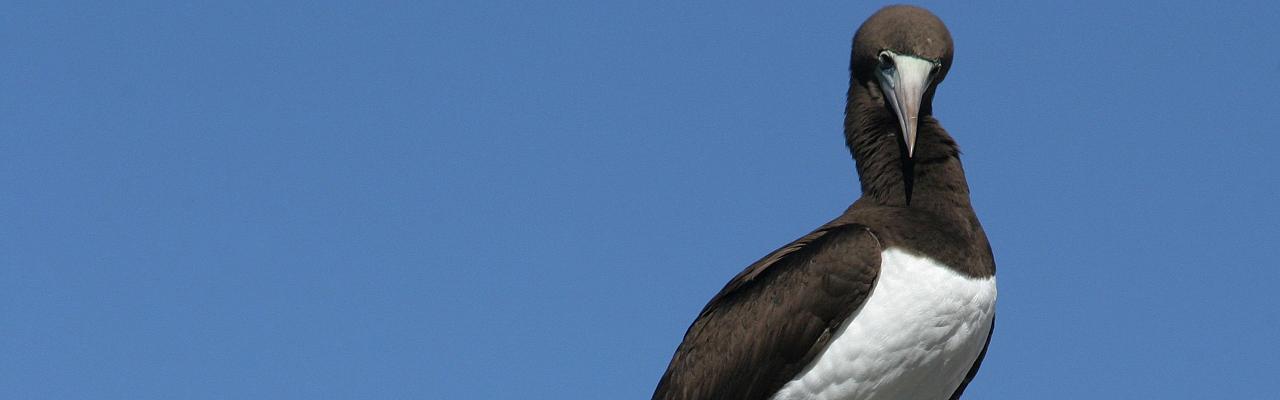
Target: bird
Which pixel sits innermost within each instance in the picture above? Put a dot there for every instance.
(894, 298)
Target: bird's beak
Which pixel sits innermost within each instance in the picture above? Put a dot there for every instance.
(904, 82)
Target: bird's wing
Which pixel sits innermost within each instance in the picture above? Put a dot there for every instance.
(773, 318)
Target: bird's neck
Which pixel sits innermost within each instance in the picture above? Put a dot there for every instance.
(932, 179)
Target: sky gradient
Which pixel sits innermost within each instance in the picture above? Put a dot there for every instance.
(500, 200)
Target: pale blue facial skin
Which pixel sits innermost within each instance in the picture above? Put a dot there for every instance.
(904, 80)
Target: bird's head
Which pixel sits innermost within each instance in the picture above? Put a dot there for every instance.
(903, 52)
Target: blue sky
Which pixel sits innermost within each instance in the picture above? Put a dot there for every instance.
(514, 200)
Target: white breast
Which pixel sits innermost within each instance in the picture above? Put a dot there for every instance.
(915, 337)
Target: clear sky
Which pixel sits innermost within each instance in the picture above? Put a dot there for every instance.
(534, 199)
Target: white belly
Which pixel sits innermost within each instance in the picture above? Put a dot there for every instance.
(916, 336)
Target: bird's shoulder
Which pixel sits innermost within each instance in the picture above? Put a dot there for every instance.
(839, 249)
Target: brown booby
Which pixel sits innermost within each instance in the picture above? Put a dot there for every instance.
(895, 298)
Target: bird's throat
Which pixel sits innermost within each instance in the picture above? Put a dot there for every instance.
(931, 178)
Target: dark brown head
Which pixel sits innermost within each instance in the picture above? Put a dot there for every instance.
(903, 52)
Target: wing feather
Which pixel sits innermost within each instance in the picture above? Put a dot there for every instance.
(771, 319)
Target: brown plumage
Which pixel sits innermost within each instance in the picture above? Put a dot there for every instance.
(775, 316)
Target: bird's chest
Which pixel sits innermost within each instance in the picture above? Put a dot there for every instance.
(915, 337)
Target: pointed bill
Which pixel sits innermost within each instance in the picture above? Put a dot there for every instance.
(904, 82)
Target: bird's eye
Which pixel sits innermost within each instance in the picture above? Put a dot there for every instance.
(886, 61)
